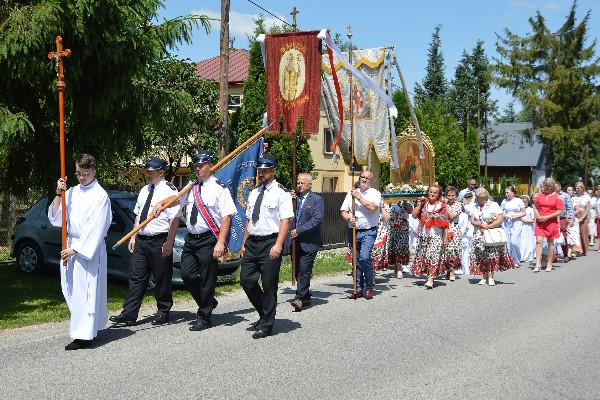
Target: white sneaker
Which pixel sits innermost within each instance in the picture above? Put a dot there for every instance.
(399, 275)
(483, 282)
(491, 283)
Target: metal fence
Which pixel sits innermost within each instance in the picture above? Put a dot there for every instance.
(333, 230)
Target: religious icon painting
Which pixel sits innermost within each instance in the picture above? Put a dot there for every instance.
(293, 69)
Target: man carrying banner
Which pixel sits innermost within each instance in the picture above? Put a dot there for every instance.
(267, 224)
(151, 249)
(365, 219)
(209, 208)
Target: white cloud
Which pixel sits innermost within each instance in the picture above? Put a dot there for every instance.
(240, 25)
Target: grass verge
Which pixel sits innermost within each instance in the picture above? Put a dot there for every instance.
(29, 300)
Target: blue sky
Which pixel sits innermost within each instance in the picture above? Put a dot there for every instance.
(406, 25)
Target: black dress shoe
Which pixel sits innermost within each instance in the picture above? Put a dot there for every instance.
(260, 334)
(255, 325)
(160, 320)
(123, 320)
(78, 344)
(200, 326)
(215, 303)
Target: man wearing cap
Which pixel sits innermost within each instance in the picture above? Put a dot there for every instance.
(208, 207)
(152, 248)
(365, 219)
(267, 224)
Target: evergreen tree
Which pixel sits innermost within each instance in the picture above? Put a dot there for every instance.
(106, 110)
(508, 114)
(553, 74)
(463, 96)
(434, 86)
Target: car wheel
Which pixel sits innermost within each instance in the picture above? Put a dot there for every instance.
(29, 258)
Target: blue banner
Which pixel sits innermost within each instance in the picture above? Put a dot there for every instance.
(239, 174)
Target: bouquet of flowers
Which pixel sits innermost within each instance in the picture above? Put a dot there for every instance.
(417, 187)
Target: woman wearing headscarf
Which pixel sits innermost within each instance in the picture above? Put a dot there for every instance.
(486, 260)
(548, 206)
(432, 214)
(513, 210)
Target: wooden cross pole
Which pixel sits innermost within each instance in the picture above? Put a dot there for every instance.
(57, 56)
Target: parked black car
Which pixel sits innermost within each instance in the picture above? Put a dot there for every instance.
(36, 243)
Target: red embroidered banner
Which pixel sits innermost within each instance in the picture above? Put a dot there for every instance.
(293, 80)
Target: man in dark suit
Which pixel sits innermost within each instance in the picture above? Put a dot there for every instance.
(310, 211)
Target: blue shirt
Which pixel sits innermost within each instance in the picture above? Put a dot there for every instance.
(567, 211)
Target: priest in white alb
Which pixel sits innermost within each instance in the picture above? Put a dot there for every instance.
(83, 279)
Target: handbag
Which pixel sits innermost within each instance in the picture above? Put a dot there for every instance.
(494, 237)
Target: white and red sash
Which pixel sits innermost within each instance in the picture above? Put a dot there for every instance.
(212, 223)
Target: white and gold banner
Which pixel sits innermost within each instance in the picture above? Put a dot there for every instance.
(370, 112)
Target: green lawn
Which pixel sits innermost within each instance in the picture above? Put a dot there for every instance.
(28, 300)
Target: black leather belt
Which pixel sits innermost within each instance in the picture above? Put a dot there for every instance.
(198, 236)
(151, 237)
(266, 237)
(366, 229)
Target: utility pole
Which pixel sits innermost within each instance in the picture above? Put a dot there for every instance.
(224, 81)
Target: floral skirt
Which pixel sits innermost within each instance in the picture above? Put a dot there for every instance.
(454, 248)
(484, 259)
(429, 258)
(380, 253)
(398, 244)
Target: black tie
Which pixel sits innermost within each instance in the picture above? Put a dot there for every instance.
(144, 214)
(256, 211)
(194, 216)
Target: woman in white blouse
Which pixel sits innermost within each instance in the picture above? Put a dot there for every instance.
(486, 260)
(513, 210)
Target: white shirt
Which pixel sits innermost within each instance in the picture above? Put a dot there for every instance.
(512, 207)
(160, 224)
(488, 213)
(365, 219)
(216, 199)
(276, 206)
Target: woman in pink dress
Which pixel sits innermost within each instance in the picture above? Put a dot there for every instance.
(547, 208)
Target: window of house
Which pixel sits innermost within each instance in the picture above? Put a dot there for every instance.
(490, 181)
(327, 141)
(235, 101)
(330, 184)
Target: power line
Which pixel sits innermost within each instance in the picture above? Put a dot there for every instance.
(270, 13)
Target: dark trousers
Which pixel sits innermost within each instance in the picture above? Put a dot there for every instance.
(304, 267)
(199, 272)
(147, 258)
(256, 262)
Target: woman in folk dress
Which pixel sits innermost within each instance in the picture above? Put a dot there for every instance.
(486, 260)
(453, 248)
(432, 214)
(399, 247)
(380, 251)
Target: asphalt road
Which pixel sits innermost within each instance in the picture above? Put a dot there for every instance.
(533, 336)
